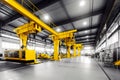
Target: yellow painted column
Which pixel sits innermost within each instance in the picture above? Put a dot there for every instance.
(68, 51)
(79, 50)
(74, 54)
(24, 40)
(56, 50)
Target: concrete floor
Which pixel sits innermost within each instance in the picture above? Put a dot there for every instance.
(80, 68)
(112, 72)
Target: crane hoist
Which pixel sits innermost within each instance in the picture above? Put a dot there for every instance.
(56, 39)
(23, 32)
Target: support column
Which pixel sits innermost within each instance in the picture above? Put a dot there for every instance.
(79, 51)
(74, 54)
(68, 51)
(56, 50)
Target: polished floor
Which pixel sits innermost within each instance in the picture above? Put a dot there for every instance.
(80, 68)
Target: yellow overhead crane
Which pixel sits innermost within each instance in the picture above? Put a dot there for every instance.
(56, 36)
(23, 11)
(23, 32)
(77, 47)
(69, 41)
(20, 9)
(67, 36)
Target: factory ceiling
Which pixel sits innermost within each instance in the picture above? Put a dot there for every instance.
(87, 16)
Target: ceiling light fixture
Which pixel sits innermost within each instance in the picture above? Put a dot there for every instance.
(85, 23)
(86, 31)
(46, 17)
(87, 36)
(58, 29)
(87, 39)
(82, 3)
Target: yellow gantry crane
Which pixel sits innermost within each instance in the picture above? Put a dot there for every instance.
(56, 37)
(67, 36)
(69, 41)
(23, 32)
(77, 47)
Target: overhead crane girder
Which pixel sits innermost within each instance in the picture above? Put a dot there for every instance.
(20, 9)
(63, 35)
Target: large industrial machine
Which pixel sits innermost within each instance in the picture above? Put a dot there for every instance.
(24, 54)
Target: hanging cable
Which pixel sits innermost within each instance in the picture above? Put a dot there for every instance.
(29, 6)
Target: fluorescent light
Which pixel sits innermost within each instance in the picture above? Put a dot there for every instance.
(82, 3)
(85, 23)
(86, 31)
(58, 29)
(8, 36)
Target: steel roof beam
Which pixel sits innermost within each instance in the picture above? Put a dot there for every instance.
(89, 28)
(89, 34)
(86, 41)
(78, 39)
(66, 21)
(42, 4)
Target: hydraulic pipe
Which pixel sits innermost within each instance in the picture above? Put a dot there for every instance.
(20, 9)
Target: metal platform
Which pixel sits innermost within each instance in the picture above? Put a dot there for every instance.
(80, 68)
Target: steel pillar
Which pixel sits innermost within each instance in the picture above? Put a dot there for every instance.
(74, 53)
(79, 51)
(68, 51)
(56, 50)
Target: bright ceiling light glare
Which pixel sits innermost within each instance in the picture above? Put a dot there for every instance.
(82, 3)
(87, 36)
(84, 23)
(58, 29)
(46, 17)
(86, 31)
